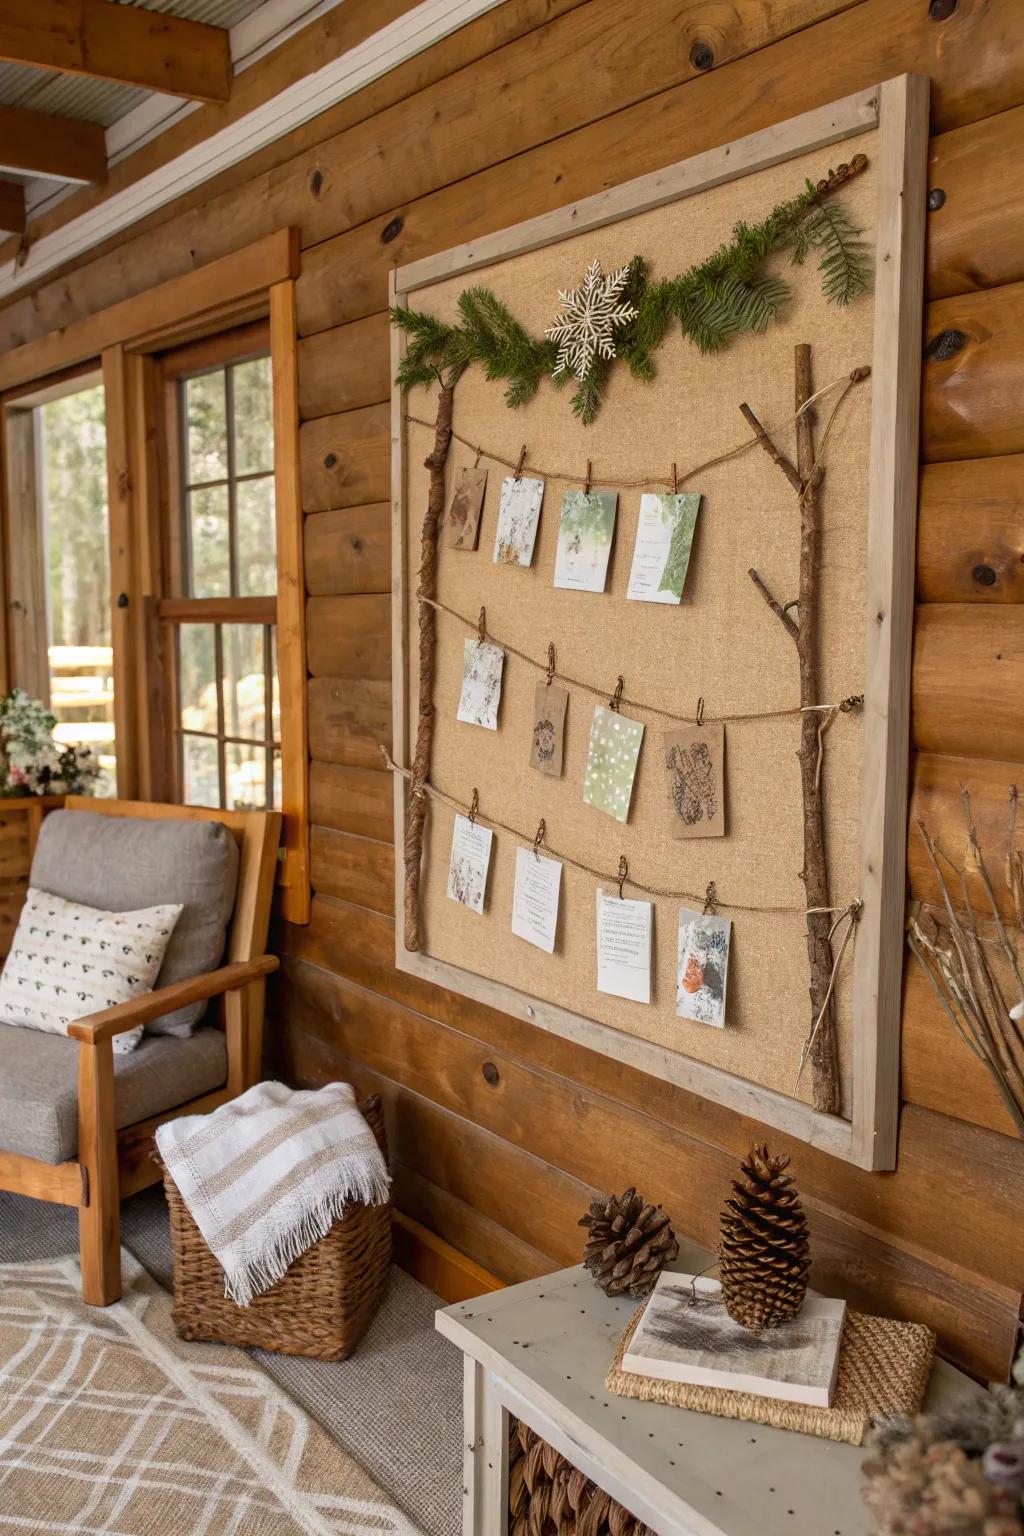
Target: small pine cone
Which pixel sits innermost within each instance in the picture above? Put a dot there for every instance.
(628, 1244)
(763, 1253)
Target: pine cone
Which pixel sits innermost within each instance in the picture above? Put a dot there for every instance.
(629, 1244)
(763, 1254)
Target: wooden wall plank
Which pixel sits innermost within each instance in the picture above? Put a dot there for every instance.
(349, 718)
(357, 800)
(967, 680)
(500, 1251)
(350, 636)
(970, 531)
(345, 459)
(345, 368)
(973, 379)
(349, 550)
(976, 239)
(935, 800)
(356, 869)
(939, 1072)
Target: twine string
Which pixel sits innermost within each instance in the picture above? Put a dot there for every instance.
(852, 912)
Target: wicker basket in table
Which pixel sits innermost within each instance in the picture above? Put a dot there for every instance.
(321, 1307)
(548, 1496)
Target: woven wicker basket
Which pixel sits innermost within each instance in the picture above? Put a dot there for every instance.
(321, 1307)
(548, 1496)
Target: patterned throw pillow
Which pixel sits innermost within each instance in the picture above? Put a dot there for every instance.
(68, 961)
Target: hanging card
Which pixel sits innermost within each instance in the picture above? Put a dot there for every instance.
(549, 706)
(702, 967)
(535, 900)
(470, 861)
(585, 533)
(661, 555)
(624, 933)
(463, 526)
(611, 762)
(695, 774)
(482, 665)
(518, 516)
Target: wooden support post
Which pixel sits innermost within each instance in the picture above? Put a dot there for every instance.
(99, 1220)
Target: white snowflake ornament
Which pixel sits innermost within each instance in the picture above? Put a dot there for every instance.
(585, 329)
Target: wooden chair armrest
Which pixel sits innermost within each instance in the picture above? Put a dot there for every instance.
(153, 1005)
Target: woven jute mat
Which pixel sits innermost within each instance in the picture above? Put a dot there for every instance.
(883, 1370)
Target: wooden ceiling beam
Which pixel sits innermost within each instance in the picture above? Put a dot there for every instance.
(118, 42)
(38, 144)
(12, 207)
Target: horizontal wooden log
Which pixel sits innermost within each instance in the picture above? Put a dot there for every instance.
(343, 369)
(939, 1071)
(356, 869)
(967, 681)
(973, 379)
(357, 800)
(936, 801)
(345, 460)
(349, 719)
(976, 237)
(349, 550)
(970, 531)
(349, 637)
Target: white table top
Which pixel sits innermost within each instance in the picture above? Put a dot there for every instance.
(552, 1341)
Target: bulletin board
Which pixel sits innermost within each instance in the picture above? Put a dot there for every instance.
(724, 655)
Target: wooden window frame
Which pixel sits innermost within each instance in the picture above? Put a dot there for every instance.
(255, 283)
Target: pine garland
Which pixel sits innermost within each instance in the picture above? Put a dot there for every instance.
(726, 295)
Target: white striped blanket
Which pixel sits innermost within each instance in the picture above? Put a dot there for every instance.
(266, 1176)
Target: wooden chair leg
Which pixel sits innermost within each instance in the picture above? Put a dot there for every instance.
(99, 1221)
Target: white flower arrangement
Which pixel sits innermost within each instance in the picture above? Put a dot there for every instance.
(31, 761)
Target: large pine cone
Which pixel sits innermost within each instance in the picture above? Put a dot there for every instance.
(763, 1254)
(630, 1243)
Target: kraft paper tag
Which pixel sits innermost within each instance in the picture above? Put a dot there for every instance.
(695, 771)
(549, 705)
(463, 528)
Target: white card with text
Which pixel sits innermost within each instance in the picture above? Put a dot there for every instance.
(625, 930)
(535, 902)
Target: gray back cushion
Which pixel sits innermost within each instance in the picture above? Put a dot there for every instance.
(119, 863)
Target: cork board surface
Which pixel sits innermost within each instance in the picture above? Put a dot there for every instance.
(722, 643)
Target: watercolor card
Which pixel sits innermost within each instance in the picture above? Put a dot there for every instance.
(470, 862)
(611, 762)
(463, 527)
(482, 666)
(661, 555)
(518, 518)
(702, 967)
(585, 533)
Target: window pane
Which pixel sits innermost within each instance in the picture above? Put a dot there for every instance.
(209, 538)
(247, 777)
(197, 678)
(244, 681)
(207, 428)
(201, 778)
(254, 423)
(257, 555)
(77, 561)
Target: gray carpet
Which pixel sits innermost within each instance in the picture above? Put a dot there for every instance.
(396, 1405)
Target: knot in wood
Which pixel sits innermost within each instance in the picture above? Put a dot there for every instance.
(946, 345)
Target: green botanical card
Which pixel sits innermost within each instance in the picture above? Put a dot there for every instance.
(611, 762)
(585, 533)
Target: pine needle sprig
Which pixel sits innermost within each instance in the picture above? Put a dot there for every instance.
(844, 265)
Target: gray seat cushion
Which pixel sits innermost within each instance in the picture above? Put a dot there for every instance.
(121, 863)
(39, 1085)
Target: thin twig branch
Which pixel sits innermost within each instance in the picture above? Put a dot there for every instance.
(789, 624)
(775, 454)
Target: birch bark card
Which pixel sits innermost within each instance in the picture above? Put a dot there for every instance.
(470, 862)
(518, 517)
(463, 525)
(535, 899)
(547, 743)
(695, 773)
(611, 762)
(585, 533)
(482, 665)
(661, 555)
(624, 933)
(702, 967)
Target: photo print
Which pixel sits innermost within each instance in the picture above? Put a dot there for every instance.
(518, 518)
(611, 762)
(546, 745)
(661, 555)
(470, 862)
(482, 665)
(463, 527)
(702, 967)
(695, 774)
(585, 533)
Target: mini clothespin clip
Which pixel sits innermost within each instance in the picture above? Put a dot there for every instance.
(586, 482)
(623, 873)
(700, 711)
(481, 626)
(474, 807)
(710, 899)
(551, 663)
(522, 460)
(539, 837)
(675, 481)
(476, 461)
(616, 698)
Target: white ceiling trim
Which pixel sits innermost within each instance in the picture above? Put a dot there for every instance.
(426, 24)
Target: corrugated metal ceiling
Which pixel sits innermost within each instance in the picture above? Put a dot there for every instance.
(101, 101)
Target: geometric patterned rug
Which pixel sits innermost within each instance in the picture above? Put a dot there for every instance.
(110, 1425)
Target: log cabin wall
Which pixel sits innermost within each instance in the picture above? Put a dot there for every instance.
(500, 1132)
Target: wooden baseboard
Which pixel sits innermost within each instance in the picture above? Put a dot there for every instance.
(437, 1265)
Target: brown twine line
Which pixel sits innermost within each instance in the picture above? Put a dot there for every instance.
(622, 875)
(853, 701)
(852, 912)
(846, 380)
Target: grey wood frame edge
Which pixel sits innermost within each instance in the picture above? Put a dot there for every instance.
(898, 109)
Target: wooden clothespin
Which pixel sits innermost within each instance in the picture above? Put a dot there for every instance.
(551, 663)
(481, 626)
(539, 838)
(476, 461)
(522, 460)
(700, 712)
(710, 900)
(586, 482)
(616, 698)
(623, 873)
(675, 481)
(474, 807)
